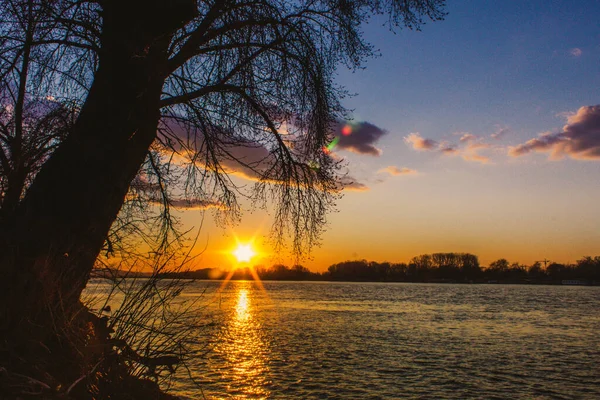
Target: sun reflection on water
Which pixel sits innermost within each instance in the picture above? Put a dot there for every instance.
(244, 350)
(242, 305)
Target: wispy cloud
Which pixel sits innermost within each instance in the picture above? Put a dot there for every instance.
(350, 184)
(419, 143)
(475, 157)
(471, 152)
(578, 139)
(500, 132)
(467, 148)
(196, 204)
(576, 52)
(467, 137)
(448, 149)
(395, 171)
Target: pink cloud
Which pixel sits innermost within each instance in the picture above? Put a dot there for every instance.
(468, 147)
(478, 145)
(474, 157)
(467, 137)
(448, 149)
(152, 192)
(576, 52)
(351, 184)
(502, 131)
(395, 171)
(419, 143)
(196, 204)
(471, 153)
(578, 139)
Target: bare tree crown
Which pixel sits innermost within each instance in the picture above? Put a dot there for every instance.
(247, 90)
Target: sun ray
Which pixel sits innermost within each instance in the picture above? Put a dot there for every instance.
(256, 279)
(243, 252)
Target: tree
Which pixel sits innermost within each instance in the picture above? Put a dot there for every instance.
(536, 272)
(588, 268)
(469, 266)
(499, 268)
(557, 271)
(171, 97)
(420, 267)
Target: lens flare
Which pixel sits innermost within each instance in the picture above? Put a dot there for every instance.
(331, 145)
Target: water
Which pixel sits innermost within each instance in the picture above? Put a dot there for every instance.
(307, 340)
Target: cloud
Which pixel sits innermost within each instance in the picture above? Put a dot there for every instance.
(351, 184)
(576, 52)
(359, 137)
(152, 191)
(197, 204)
(565, 114)
(478, 145)
(249, 162)
(471, 152)
(253, 161)
(395, 171)
(502, 131)
(236, 155)
(467, 137)
(419, 143)
(467, 148)
(475, 157)
(448, 149)
(578, 139)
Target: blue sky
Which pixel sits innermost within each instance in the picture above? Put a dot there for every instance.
(494, 62)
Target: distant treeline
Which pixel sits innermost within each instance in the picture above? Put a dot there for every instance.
(437, 267)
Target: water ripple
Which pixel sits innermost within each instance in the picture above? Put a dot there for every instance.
(402, 341)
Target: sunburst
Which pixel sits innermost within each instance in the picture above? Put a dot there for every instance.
(244, 252)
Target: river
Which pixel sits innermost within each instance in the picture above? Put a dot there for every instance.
(326, 340)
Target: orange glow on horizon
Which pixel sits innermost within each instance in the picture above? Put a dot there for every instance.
(243, 252)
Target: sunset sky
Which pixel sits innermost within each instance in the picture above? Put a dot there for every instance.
(483, 136)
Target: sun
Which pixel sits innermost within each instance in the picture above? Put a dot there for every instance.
(244, 252)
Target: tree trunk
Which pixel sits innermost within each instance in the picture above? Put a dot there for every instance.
(48, 246)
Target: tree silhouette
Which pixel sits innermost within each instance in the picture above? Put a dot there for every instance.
(170, 98)
(464, 266)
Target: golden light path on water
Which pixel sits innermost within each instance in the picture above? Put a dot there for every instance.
(242, 348)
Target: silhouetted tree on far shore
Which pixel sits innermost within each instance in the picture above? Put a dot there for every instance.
(438, 267)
